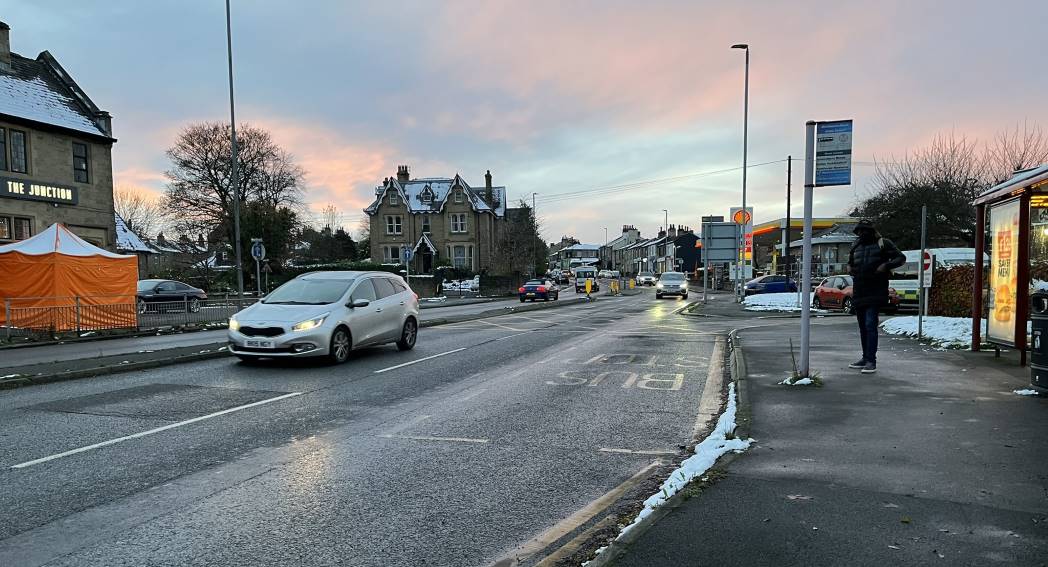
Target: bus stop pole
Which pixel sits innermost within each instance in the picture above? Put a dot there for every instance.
(809, 185)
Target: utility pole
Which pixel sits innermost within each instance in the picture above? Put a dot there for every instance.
(922, 299)
(739, 274)
(234, 165)
(535, 219)
(786, 233)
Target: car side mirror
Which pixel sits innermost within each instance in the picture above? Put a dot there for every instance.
(359, 303)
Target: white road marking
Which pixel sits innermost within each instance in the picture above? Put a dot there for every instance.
(151, 431)
(636, 452)
(429, 438)
(472, 395)
(423, 359)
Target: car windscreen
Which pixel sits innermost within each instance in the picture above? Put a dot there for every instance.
(147, 285)
(647, 274)
(672, 277)
(308, 292)
(535, 282)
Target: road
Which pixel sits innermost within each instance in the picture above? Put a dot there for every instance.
(456, 453)
(77, 350)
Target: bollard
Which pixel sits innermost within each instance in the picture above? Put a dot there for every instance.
(185, 310)
(77, 312)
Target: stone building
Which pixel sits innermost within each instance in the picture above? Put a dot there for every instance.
(437, 218)
(55, 152)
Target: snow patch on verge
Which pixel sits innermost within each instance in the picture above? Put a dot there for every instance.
(706, 454)
(1026, 392)
(773, 302)
(791, 381)
(953, 332)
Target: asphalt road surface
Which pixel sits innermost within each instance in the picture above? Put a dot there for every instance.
(455, 453)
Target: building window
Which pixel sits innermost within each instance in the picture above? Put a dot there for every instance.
(425, 224)
(19, 159)
(393, 199)
(458, 196)
(462, 257)
(427, 197)
(80, 162)
(391, 254)
(393, 225)
(3, 149)
(458, 222)
(15, 228)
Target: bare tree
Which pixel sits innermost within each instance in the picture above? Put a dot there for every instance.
(143, 212)
(331, 217)
(1015, 149)
(199, 190)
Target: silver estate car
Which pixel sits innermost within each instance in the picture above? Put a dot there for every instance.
(672, 283)
(327, 314)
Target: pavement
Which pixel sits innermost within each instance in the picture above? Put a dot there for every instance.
(931, 461)
(490, 441)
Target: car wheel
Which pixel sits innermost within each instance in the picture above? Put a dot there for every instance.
(816, 303)
(338, 352)
(408, 335)
(684, 296)
(848, 308)
(658, 296)
(141, 306)
(522, 300)
(194, 305)
(247, 359)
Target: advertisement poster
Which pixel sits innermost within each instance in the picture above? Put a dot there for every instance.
(1004, 253)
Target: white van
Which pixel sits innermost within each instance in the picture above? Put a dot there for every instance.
(584, 274)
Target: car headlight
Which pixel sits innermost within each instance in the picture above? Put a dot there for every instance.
(658, 284)
(234, 325)
(684, 285)
(310, 323)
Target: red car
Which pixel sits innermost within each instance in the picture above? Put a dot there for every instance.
(835, 292)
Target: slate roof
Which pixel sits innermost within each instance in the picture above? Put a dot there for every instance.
(39, 90)
(438, 189)
(128, 241)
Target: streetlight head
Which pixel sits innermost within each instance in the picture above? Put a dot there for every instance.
(741, 46)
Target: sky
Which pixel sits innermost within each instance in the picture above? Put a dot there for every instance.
(610, 111)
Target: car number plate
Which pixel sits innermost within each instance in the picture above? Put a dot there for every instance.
(259, 344)
(531, 294)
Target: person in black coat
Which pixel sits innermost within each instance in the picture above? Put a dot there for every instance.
(870, 261)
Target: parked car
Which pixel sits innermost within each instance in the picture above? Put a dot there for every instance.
(542, 288)
(168, 295)
(646, 278)
(584, 274)
(562, 277)
(770, 284)
(835, 292)
(672, 283)
(327, 314)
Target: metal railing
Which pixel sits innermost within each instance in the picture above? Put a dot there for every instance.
(52, 316)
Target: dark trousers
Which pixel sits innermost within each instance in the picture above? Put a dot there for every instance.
(868, 321)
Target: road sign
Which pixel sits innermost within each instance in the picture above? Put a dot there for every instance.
(258, 250)
(833, 153)
(929, 263)
(405, 252)
(720, 242)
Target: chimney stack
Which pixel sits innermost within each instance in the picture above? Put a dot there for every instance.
(488, 194)
(403, 174)
(5, 46)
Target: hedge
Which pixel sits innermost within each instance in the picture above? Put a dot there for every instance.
(951, 293)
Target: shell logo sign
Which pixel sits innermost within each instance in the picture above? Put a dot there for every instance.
(742, 217)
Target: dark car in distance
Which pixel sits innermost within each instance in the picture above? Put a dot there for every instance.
(168, 295)
(543, 289)
(770, 284)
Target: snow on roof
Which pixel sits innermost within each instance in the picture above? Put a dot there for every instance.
(57, 239)
(29, 91)
(429, 194)
(582, 247)
(128, 241)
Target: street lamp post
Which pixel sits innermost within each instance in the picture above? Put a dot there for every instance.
(534, 249)
(607, 266)
(665, 245)
(234, 166)
(745, 140)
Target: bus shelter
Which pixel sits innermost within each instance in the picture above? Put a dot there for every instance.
(1013, 218)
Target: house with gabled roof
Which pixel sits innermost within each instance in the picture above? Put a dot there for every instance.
(55, 152)
(437, 218)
